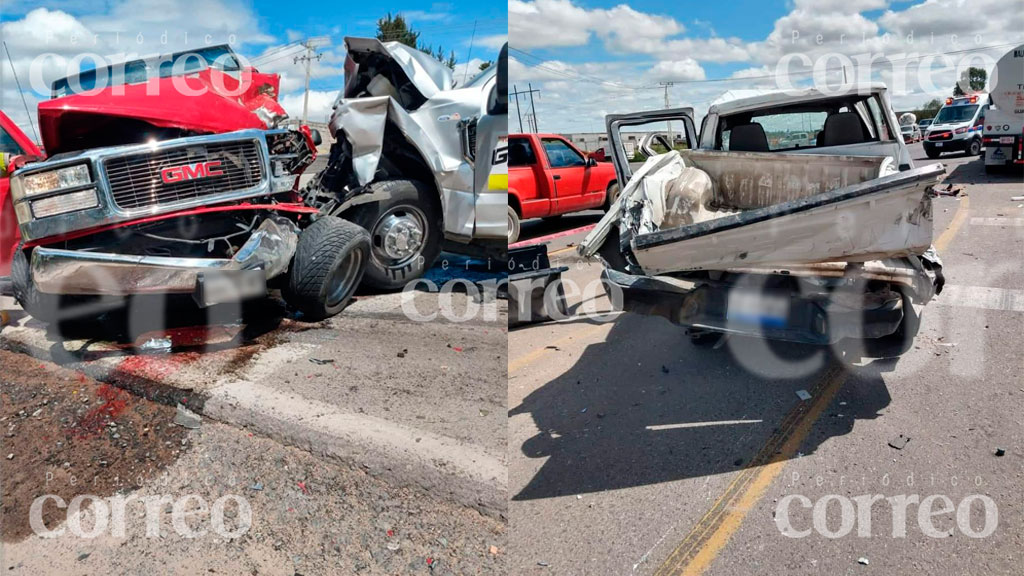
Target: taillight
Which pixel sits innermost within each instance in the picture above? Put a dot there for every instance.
(960, 130)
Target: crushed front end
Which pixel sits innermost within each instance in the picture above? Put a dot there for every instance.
(215, 216)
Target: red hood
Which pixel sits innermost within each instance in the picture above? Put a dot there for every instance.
(199, 106)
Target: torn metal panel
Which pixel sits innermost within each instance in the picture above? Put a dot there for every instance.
(434, 119)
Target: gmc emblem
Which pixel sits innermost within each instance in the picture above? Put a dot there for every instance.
(191, 172)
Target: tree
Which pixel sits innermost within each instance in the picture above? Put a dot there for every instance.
(486, 65)
(973, 78)
(396, 29)
(929, 110)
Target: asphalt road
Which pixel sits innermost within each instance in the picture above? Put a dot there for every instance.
(633, 452)
(372, 436)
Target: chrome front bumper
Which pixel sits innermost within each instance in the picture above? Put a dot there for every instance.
(77, 272)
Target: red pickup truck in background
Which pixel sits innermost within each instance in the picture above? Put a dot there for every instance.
(548, 176)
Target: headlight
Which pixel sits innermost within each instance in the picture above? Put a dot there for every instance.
(71, 202)
(56, 180)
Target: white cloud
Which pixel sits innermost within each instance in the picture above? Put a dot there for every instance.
(320, 104)
(546, 23)
(677, 70)
(493, 42)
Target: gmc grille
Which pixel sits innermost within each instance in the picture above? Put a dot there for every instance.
(136, 182)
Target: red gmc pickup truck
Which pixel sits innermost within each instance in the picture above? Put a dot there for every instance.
(548, 176)
(14, 146)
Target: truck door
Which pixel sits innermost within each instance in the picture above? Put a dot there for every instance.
(567, 174)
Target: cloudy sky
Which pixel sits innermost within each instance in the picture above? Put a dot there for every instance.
(590, 58)
(262, 30)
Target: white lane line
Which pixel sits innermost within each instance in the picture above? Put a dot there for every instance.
(701, 424)
(997, 221)
(982, 297)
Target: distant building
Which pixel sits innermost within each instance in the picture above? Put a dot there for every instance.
(592, 141)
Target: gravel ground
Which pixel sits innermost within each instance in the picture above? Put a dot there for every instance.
(307, 516)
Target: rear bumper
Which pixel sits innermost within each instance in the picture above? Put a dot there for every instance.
(76, 272)
(811, 320)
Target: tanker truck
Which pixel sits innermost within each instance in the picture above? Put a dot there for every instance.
(1003, 133)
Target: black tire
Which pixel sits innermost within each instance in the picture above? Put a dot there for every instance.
(611, 195)
(412, 205)
(328, 266)
(513, 225)
(42, 307)
(975, 148)
(933, 154)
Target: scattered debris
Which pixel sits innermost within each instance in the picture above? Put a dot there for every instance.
(543, 564)
(803, 395)
(948, 190)
(863, 560)
(664, 369)
(257, 486)
(899, 442)
(84, 555)
(10, 456)
(320, 362)
(584, 411)
(1000, 452)
(1016, 198)
(403, 352)
(156, 346)
(302, 486)
(494, 550)
(187, 418)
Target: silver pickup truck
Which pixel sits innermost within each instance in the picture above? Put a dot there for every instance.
(413, 157)
(742, 229)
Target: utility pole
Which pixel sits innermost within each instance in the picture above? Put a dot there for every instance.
(668, 125)
(533, 111)
(311, 44)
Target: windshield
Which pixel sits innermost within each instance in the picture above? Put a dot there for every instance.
(954, 114)
(139, 71)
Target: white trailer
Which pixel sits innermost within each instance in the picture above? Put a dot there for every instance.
(1003, 134)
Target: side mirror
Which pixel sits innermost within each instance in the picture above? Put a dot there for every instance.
(591, 161)
(317, 139)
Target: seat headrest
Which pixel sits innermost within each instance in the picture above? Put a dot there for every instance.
(843, 128)
(748, 138)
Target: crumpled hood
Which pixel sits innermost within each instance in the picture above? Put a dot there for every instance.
(427, 74)
(209, 102)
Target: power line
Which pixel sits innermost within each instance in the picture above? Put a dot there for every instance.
(596, 80)
(23, 101)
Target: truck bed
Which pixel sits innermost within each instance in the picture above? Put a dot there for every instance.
(746, 209)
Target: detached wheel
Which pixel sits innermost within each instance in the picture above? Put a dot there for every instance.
(329, 262)
(41, 306)
(611, 195)
(513, 225)
(975, 148)
(405, 232)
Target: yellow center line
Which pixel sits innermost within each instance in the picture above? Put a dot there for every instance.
(709, 536)
(954, 226)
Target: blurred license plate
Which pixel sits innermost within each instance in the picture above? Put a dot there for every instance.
(223, 286)
(755, 308)
(938, 144)
(1006, 139)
